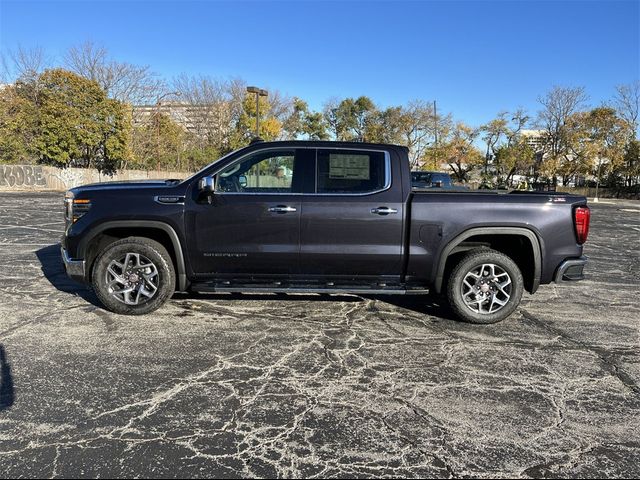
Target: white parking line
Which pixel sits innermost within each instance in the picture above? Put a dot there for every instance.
(7, 227)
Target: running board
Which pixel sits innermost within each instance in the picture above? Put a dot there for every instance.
(201, 287)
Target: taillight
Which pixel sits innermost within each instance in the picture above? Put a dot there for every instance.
(582, 216)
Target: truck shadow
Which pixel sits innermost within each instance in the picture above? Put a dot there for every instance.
(430, 305)
(53, 270)
(7, 395)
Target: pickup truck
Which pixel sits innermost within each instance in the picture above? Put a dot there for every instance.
(321, 217)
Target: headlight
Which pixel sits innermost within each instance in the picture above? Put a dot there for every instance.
(75, 207)
(68, 206)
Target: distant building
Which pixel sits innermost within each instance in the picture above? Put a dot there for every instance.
(196, 119)
(536, 139)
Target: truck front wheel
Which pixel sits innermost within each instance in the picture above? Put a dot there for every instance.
(133, 276)
(485, 286)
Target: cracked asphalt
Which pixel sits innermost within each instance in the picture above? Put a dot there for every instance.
(314, 386)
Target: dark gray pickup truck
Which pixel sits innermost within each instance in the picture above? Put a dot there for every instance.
(324, 217)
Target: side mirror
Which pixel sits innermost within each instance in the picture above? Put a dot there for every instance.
(242, 181)
(207, 185)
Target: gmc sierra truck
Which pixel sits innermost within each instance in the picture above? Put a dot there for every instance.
(321, 217)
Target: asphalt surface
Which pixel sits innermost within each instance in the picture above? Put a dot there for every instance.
(291, 386)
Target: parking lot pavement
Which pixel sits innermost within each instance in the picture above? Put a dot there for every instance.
(303, 385)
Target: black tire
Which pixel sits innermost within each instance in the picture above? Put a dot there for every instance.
(484, 295)
(163, 278)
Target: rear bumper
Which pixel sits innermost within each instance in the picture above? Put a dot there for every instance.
(571, 270)
(74, 268)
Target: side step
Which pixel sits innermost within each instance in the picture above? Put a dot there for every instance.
(274, 288)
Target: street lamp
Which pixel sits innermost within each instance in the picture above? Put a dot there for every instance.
(259, 93)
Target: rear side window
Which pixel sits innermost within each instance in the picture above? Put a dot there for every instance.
(351, 171)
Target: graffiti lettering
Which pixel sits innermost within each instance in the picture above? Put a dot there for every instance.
(19, 175)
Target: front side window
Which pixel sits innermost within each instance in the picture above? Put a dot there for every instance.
(265, 172)
(351, 171)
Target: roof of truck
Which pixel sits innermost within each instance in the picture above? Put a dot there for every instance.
(325, 143)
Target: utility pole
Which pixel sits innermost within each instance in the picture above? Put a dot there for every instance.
(435, 134)
(259, 93)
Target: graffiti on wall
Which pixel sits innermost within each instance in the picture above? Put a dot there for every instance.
(44, 177)
(22, 175)
(71, 178)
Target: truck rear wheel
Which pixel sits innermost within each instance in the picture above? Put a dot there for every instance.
(133, 276)
(485, 286)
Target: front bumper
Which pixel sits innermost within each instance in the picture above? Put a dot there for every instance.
(74, 268)
(571, 270)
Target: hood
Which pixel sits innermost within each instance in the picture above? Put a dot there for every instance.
(125, 185)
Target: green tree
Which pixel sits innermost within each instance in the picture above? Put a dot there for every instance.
(351, 119)
(18, 124)
(606, 138)
(245, 128)
(631, 169)
(511, 159)
(456, 148)
(302, 122)
(59, 118)
(75, 124)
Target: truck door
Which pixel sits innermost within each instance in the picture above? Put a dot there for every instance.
(252, 225)
(353, 222)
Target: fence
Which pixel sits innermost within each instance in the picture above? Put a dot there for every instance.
(43, 178)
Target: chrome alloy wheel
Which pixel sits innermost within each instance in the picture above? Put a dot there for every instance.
(486, 288)
(132, 279)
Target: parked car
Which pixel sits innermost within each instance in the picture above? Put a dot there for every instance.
(346, 221)
(421, 179)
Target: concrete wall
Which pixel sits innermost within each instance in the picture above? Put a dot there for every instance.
(42, 178)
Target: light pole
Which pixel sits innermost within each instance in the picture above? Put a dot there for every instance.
(598, 179)
(158, 99)
(259, 93)
(435, 134)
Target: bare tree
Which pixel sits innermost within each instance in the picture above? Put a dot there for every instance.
(280, 105)
(558, 105)
(23, 64)
(212, 107)
(519, 120)
(123, 81)
(418, 128)
(627, 104)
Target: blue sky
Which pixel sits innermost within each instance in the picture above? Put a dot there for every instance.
(475, 58)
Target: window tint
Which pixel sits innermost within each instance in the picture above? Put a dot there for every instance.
(268, 172)
(350, 171)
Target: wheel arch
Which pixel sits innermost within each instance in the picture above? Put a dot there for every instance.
(500, 239)
(106, 233)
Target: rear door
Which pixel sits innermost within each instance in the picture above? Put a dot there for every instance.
(351, 224)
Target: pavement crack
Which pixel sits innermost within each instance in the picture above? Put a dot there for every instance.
(606, 357)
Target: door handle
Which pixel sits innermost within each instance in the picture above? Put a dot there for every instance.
(383, 210)
(282, 209)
